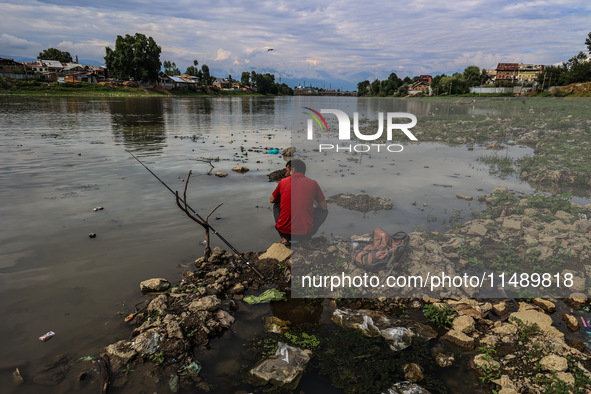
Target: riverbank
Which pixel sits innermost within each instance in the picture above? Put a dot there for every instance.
(84, 89)
(511, 344)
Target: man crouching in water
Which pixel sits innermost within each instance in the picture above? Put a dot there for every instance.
(299, 204)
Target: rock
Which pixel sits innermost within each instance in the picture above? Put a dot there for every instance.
(406, 388)
(413, 372)
(361, 202)
(221, 174)
(278, 252)
(554, 363)
(237, 289)
(445, 360)
(571, 322)
(500, 309)
(583, 226)
(566, 377)
(240, 169)
(289, 151)
(459, 339)
(500, 189)
(173, 329)
(505, 329)
(477, 229)
(224, 318)
(397, 333)
(467, 307)
(158, 305)
(462, 197)
(207, 303)
(507, 385)
(155, 284)
(119, 354)
(284, 369)
(543, 321)
(564, 216)
(275, 325)
(146, 343)
(546, 305)
(577, 300)
(464, 324)
(511, 224)
(480, 361)
(277, 175)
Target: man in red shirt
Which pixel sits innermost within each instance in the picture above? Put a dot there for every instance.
(300, 206)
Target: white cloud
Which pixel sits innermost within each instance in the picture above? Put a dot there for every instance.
(8, 43)
(222, 54)
(347, 38)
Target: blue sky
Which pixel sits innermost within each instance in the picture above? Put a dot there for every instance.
(339, 42)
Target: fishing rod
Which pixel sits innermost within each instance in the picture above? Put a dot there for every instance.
(195, 213)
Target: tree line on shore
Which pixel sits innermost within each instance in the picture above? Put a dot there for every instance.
(137, 58)
(576, 69)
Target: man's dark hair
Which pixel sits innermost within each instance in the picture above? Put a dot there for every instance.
(298, 165)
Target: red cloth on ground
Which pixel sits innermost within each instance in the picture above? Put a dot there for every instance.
(296, 195)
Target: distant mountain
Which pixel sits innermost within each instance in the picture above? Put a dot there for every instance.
(324, 79)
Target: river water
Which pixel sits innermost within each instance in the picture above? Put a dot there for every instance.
(62, 157)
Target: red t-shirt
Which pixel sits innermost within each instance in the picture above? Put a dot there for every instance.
(296, 195)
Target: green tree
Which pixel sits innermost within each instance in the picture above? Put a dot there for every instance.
(588, 43)
(472, 76)
(206, 78)
(285, 90)
(576, 69)
(551, 75)
(265, 84)
(170, 68)
(245, 78)
(136, 57)
(362, 88)
(193, 70)
(402, 90)
(55, 54)
(436, 84)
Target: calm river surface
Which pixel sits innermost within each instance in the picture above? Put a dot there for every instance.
(60, 158)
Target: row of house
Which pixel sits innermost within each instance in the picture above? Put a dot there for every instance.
(518, 73)
(514, 72)
(56, 71)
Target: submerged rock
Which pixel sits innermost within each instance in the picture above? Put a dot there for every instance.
(361, 202)
(240, 169)
(283, 369)
(275, 325)
(413, 372)
(398, 333)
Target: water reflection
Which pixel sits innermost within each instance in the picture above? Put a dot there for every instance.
(138, 123)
